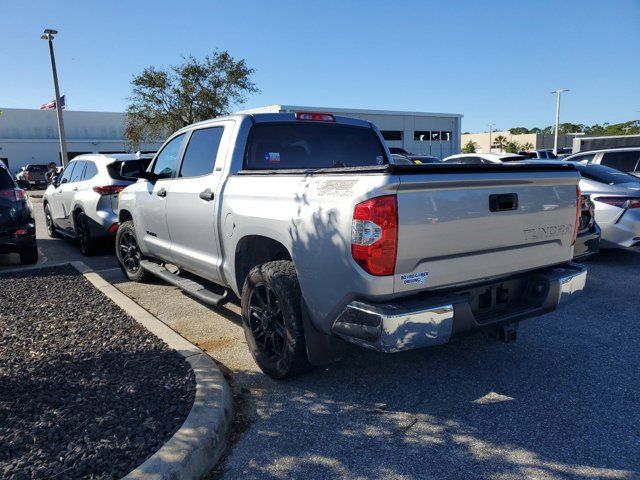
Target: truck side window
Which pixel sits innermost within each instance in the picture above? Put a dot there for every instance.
(202, 150)
(167, 160)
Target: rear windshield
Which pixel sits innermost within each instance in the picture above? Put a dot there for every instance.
(6, 182)
(36, 168)
(312, 145)
(603, 174)
(513, 158)
(114, 168)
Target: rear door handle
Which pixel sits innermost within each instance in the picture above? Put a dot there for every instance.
(207, 195)
(161, 193)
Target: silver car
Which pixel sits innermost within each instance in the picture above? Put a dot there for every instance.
(83, 203)
(616, 196)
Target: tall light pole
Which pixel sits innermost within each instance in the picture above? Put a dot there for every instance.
(555, 130)
(491, 125)
(49, 36)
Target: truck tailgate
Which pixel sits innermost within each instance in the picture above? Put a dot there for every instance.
(457, 228)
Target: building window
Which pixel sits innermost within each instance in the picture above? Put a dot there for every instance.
(392, 135)
(435, 136)
(445, 136)
(421, 135)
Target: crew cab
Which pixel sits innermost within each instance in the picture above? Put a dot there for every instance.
(307, 220)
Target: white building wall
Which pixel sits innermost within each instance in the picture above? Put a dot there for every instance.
(31, 136)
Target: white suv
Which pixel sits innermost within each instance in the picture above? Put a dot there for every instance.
(83, 203)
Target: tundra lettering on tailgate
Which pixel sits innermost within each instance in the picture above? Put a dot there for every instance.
(548, 232)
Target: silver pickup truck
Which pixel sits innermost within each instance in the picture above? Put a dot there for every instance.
(307, 220)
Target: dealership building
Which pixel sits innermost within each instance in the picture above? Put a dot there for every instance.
(31, 136)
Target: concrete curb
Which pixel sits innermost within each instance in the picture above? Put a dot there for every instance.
(197, 446)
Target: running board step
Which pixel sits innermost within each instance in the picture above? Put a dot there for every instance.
(189, 286)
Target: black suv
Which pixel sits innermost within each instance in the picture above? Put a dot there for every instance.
(17, 226)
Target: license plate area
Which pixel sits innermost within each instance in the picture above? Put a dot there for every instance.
(491, 302)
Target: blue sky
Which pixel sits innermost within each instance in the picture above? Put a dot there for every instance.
(493, 61)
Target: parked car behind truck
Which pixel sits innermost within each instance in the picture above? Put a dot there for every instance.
(303, 216)
(83, 203)
(33, 176)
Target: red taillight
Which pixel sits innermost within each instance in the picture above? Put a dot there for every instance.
(15, 194)
(113, 228)
(315, 116)
(374, 235)
(578, 214)
(109, 189)
(621, 202)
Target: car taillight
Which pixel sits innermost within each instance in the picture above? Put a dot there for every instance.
(15, 194)
(109, 189)
(621, 202)
(578, 214)
(315, 116)
(374, 235)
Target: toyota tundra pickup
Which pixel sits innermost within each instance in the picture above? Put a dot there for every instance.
(307, 220)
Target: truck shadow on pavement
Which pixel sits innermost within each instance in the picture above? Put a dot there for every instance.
(561, 402)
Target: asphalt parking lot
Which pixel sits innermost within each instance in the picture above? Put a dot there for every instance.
(561, 402)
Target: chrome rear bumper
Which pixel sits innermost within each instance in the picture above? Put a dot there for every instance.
(430, 320)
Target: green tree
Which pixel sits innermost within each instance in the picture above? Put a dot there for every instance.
(527, 146)
(500, 142)
(518, 130)
(535, 130)
(511, 146)
(166, 99)
(470, 147)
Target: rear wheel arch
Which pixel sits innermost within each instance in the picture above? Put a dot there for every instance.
(254, 250)
(125, 216)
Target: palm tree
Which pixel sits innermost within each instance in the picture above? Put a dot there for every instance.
(500, 141)
(527, 146)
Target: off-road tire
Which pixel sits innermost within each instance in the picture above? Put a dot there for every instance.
(126, 231)
(280, 279)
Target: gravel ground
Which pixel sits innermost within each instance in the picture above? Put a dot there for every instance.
(85, 391)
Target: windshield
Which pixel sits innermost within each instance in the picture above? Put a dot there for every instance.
(603, 174)
(312, 145)
(37, 168)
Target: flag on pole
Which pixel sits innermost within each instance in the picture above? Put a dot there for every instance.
(52, 104)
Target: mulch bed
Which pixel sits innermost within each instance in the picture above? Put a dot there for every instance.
(85, 391)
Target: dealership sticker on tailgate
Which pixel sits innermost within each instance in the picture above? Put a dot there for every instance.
(417, 278)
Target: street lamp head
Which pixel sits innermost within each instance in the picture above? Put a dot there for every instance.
(50, 31)
(561, 90)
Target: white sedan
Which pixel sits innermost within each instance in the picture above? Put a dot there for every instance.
(484, 158)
